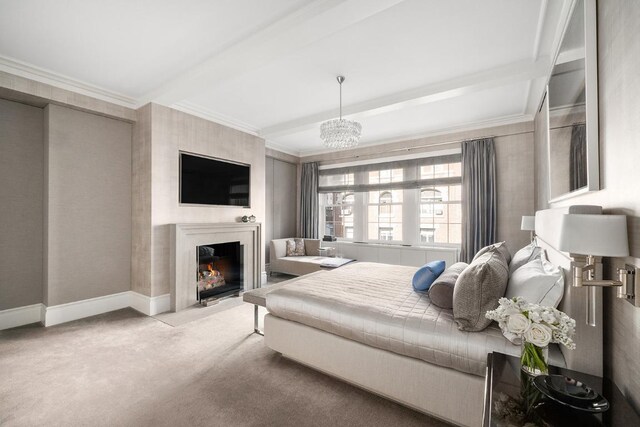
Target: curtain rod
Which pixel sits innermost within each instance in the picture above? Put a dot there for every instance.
(422, 146)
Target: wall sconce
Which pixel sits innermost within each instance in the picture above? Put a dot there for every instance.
(597, 236)
(529, 224)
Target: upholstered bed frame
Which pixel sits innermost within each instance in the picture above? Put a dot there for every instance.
(442, 392)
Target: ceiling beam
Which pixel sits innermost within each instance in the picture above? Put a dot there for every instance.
(313, 22)
(497, 77)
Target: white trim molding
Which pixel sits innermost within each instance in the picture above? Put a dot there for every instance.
(22, 69)
(20, 316)
(149, 305)
(63, 313)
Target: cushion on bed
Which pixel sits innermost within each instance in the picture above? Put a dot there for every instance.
(478, 289)
(524, 255)
(538, 282)
(441, 291)
(501, 247)
(427, 274)
(295, 247)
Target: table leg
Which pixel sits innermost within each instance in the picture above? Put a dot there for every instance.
(256, 329)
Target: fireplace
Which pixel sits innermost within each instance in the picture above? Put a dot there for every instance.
(184, 270)
(219, 271)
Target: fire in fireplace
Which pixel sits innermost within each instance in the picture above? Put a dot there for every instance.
(220, 271)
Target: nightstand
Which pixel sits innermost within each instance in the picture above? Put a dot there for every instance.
(506, 391)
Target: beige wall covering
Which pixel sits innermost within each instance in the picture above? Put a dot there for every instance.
(87, 205)
(171, 131)
(21, 209)
(280, 197)
(619, 80)
(514, 159)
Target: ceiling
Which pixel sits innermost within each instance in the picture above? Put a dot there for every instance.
(268, 67)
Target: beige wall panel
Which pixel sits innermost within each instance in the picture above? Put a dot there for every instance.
(284, 199)
(21, 204)
(619, 93)
(88, 205)
(269, 220)
(141, 203)
(173, 131)
(514, 160)
(419, 145)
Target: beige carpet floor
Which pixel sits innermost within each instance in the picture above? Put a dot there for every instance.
(127, 369)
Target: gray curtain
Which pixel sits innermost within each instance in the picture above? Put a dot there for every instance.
(479, 199)
(578, 157)
(309, 201)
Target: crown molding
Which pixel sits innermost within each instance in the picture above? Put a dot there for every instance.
(42, 75)
(212, 116)
(281, 148)
(504, 121)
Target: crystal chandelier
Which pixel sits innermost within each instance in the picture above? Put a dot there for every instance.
(340, 133)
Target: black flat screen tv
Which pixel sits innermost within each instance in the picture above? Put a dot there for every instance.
(208, 181)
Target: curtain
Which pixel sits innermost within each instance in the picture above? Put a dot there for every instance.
(578, 157)
(479, 200)
(309, 201)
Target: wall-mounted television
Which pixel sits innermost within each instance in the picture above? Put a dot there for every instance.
(209, 181)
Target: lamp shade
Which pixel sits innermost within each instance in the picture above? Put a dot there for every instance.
(597, 235)
(528, 223)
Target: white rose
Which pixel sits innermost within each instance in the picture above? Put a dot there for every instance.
(518, 324)
(538, 334)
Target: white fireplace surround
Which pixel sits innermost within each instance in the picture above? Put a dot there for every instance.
(184, 240)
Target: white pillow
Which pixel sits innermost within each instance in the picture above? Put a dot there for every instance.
(538, 282)
(523, 256)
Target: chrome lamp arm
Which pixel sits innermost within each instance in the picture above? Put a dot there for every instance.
(625, 282)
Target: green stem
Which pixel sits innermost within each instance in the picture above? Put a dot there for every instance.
(533, 358)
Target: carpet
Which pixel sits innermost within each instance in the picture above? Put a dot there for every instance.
(123, 368)
(197, 312)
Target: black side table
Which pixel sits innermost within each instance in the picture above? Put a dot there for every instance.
(511, 399)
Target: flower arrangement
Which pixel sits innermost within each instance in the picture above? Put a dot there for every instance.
(536, 326)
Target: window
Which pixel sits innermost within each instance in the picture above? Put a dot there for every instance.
(416, 201)
(441, 206)
(338, 214)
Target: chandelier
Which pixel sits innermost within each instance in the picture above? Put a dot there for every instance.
(340, 133)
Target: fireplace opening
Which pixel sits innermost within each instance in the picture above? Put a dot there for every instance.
(220, 271)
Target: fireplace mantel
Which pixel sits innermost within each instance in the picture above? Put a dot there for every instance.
(185, 238)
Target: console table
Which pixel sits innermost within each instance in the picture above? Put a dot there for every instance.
(504, 402)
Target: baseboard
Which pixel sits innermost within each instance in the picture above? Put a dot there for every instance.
(150, 305)
(19, 316)
(263, 278)
(62, 313)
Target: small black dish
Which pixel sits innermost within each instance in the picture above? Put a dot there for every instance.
(569, 389)
(597, 405)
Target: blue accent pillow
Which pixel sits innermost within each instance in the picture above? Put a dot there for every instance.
(427, 274)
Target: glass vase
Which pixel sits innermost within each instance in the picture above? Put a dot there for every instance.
(534, 360)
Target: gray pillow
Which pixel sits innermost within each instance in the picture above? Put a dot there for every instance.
(441, 291)
(538, 282)
(501, 247)
(295, 247)
(523, 256)
(478, 289)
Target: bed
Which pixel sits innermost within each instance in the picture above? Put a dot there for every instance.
(363, 324)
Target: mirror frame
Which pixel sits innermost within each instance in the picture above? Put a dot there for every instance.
(591, 101)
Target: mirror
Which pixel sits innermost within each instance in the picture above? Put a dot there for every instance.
(573, 107)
